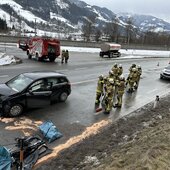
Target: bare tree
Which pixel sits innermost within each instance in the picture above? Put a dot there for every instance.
(112, 30)
(129, 29)
(88, 27)
(98, 34)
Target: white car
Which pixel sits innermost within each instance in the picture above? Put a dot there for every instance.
(165, 73)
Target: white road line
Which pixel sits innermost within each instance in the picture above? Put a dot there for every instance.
(81, 82)
(4, 76)
(82, 68)
(151, 91)
(64, 70)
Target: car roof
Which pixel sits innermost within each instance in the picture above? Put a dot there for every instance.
(43, 74)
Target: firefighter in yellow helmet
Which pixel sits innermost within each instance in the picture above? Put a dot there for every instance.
(109, 93)
(99, 90)
(120, 91)
(62, 56)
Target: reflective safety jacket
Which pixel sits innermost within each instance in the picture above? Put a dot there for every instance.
(110, 90)
(121, 85)
(100, 84)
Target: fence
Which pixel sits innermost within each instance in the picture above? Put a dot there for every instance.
(14, 39)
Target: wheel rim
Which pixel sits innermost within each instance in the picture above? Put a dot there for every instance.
(16, 110)
(63, 96)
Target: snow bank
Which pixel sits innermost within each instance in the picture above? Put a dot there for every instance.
(6, 59)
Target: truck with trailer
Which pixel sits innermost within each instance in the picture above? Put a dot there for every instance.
(41, 48)
(110, 49)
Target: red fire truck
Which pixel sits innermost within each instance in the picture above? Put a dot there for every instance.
(41, 48)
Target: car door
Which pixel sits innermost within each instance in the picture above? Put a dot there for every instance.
(54, 81)
(38, 94)
(57, 87)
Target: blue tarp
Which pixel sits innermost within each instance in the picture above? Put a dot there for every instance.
(49, 130)
(5, 159)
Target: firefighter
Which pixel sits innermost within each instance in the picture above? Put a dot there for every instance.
(131, 80)
(120, 91)
(62, 56)
(106, 78)
(66, 56)
(111, 74)
(139, 73)
(109, 93)
(99, 90)
(115, 70)
(131, 67)
(120, 69)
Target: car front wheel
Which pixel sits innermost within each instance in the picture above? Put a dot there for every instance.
(161, 77)
(63, 96)
(15, 110)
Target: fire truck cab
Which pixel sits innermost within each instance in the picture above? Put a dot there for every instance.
(41, 48)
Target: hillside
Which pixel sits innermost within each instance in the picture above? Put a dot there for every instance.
(138, 141)
(66, 16)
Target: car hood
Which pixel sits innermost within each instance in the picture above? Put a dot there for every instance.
(167, 71)
(6, 91)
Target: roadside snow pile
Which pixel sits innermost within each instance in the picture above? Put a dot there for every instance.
(6, 59)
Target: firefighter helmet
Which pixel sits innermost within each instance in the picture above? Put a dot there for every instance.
(111, 81)
(139, 66)
(133, 65)
(120, 66)
(111, 72)
(122, 78)
(115, 65)
(101, 77)
(134, 70)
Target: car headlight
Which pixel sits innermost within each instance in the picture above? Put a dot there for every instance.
(2, 98)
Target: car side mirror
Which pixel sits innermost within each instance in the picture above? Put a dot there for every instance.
(30, 91)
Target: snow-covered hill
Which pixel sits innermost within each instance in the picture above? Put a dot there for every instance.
(65, 16)
(146, 22)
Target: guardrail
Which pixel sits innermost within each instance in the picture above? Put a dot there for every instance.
(14, 39)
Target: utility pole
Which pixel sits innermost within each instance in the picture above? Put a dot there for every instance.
(35, 26)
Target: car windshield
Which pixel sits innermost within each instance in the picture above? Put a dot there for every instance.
(19, 83)
(168, 67)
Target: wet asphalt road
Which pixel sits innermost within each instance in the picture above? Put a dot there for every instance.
(77, 112)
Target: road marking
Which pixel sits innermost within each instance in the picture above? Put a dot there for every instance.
(4, 76)
(82, 68)
(151, 91)
(81, 82)
(64, 70)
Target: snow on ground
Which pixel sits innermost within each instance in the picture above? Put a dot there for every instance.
(126, 54)
(6, 59)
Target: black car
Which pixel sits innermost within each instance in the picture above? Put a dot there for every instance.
(33, 90)
(165, 74)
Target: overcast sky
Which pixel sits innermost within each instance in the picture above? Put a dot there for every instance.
(157, 8)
